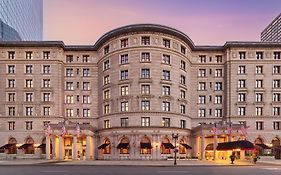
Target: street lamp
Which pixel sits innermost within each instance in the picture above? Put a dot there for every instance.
(175, 137)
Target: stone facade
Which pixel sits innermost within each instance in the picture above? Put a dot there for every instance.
(135, 87)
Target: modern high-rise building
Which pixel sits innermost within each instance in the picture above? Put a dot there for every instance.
(136, 92)
(272, 33)
(21, 20)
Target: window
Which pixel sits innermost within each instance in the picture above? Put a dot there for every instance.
(276, 70)
(218, 73)
(241, 69)
(202, 99)
(259, 55)
(11, 97)
(11, 83)
(86, 99)
(202, 86)
(183, 49)
(86, 112)
(182, 109)
(28, 111)
(124, 42)
(276, 111)
(69, 112)
(28, 125)
(202, 59)
(69, 99)
(202, 113)
(182, 79)
(106, 94)
(46, 97)
(12, 111)
(86, 72)
(182, 94)
(276, 84)
(166, 59)
(218, 86)
(145, 121)
(241, 83)
(46, 111)
(276, 97)
(106, 109)
(46, 55)
(11, 69)
(69, 72)
(166, 106)
(106, 65)
(106, 124)
(145, 105)
(124, 106)
(124, 122)
(124, 59)
(145, 57)
(182, 65)
(259, 69)
(259, 125)
(218, 58)
(28, 83)
(259, 97)
(69, 58)
(86, 86)
(106, 49)
(166, 43)
(46, 69)
(69, 86)
(145, 40)
(46, 123)
(28, 69)
(166, 75)
(46, 83)
(183, 124)
(85, 58)
(259, 111)
(145, 89)
(28, 97)
(28, 55)
(106, 80)
(11, 55)
(218, 99)
(218, 112)
(276, 125)
(277, 55)
(259, 83)
(166, 122)
(11, 126)
(241, 97)
(202, 73)
(124, 90)
(166, 90)
(242, 55)
(241, 111)
(124, 75)
(145, 73)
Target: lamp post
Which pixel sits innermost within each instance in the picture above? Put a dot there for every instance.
(175, 137)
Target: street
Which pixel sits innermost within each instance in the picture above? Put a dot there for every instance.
(139, 170)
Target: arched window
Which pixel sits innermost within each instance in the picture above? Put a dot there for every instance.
(123, 146)
(28, 146)
(145, 146)
(106, 149)
(13, 148)
(166, 146)
(275, 142)
(182, 149)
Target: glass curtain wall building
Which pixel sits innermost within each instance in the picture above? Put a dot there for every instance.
(21, 20)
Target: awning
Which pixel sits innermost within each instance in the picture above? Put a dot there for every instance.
(241, 144)
(26, 145)
(186, 146)
(262, 145)
(210, 147)
(7, 146)
(103, 146)
(122, 145)
(145, 145)
(43, 145)
(168, 145)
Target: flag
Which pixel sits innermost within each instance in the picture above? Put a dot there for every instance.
(63, 130)
(78, 131)
(229, 129)
(215, 129)
(48, 130)
(244, 130)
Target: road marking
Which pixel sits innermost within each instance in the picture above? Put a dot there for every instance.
(54, 171)
(272, 169)
(176, 172)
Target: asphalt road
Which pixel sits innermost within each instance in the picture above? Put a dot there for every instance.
(139, 170)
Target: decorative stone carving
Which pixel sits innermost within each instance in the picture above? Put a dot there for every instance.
(234, 55)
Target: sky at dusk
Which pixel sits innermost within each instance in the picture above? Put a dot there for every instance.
(206, 22)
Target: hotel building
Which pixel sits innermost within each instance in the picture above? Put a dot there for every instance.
(126, 95)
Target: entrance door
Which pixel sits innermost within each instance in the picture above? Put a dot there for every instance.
(68, 153)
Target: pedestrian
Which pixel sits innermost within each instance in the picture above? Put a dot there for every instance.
(255, 158)
(232, 158)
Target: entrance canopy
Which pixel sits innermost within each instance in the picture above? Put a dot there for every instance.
(240, 144)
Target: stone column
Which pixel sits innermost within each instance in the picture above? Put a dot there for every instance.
(95, 147)
(215, 146)
(88, 147)
(158, 152)
(48, 148)
(61, 148)
(154, 148)
(202, 147)
(74, 148)
(242, 154)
